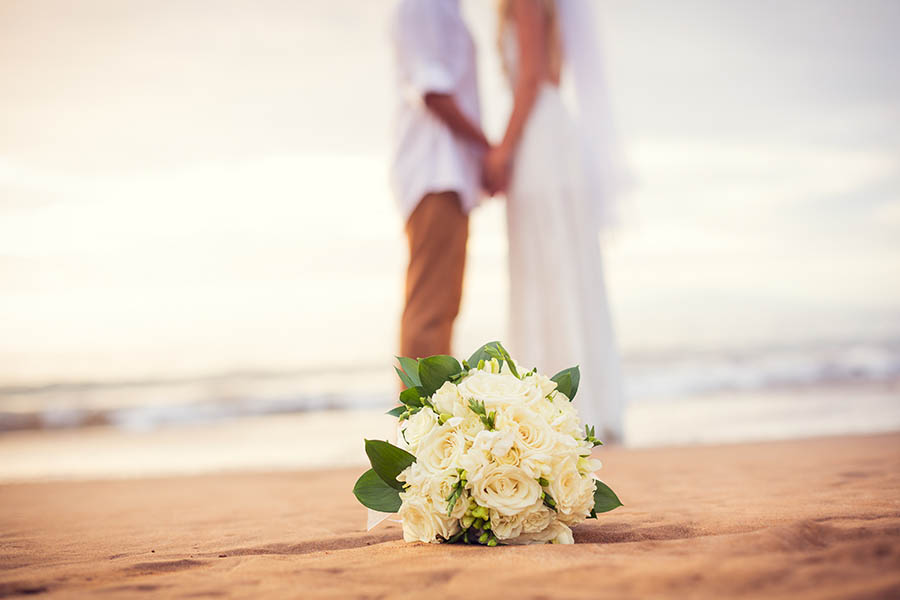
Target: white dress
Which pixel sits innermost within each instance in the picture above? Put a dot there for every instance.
(559, 314)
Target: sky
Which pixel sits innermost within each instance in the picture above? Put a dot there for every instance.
(195, 187)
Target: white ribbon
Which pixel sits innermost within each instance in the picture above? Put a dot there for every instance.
(375, 518)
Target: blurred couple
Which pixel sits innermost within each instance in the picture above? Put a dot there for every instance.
(555, 168)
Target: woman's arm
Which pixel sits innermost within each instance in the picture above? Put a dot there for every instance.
(529, 18)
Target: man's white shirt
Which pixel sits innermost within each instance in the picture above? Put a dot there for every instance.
(434, 52)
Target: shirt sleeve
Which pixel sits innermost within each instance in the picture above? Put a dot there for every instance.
(422, 48)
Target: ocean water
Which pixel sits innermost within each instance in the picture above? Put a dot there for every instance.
(217, 243)
(706, 385)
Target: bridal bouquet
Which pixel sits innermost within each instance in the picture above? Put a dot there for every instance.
(487, 454)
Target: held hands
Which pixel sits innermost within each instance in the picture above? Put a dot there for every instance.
(496, 168)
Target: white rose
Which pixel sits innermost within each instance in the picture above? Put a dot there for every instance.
(568, 423)
(496, 390)
(544, 384)
(537, 465)
(537, 518)
(470, 426)
(569, 445)
(446, 398)
(474, 461)
(416, 427)
(545, 409)
(588, 465)
(566, 419)
(583, 504)
(532, 433)
(422, 523)
(533, 520)
(505, 488)
(441, 449)
(440, 486)
(497, 443)
(569, 489)
(415, 477)
(501, 445)
(506, 527)
(561, 402)
(559, 398)
(513, 457)
(555, 532)
(563, 534)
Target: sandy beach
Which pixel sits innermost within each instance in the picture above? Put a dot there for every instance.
(817, 518)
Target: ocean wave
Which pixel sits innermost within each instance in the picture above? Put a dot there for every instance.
(670, 377)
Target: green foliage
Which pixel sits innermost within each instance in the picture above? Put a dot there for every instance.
(404, 378)
(549, 502)
(378, 487)
(457, 491)
(487, 418)
(496, 350)
(567, 381)
(605, 499)
(482, 354)
(374, 493)
(388, 461)
(589, 436)
(434, 371)
(410, 367)
(412, 397)
(454, 539)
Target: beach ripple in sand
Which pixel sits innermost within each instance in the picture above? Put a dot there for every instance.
(804, 519)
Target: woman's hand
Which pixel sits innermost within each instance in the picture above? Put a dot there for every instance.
(496, 169)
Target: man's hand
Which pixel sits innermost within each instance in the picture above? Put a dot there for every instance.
(496, 169)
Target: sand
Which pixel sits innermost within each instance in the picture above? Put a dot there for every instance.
(817, 518)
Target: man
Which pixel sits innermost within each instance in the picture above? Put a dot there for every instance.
(436, 168)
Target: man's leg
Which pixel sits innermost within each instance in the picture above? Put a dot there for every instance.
(437, 232)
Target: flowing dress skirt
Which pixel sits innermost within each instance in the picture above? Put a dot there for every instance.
(559, 314)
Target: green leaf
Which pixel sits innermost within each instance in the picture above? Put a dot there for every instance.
(396, 412)
(435, 370)
(374, 493)
(567, 381)
(412, 396)
(388, 460)
(483, 354)
(605, 499)
(411, 367)
(509, 361)
(404, 378)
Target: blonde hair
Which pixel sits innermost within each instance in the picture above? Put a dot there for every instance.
(551, 32)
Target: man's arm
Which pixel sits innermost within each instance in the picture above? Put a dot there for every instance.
(444, 107)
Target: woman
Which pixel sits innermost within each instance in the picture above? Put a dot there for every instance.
(556, 189)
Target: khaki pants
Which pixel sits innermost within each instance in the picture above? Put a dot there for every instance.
(437, 232)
